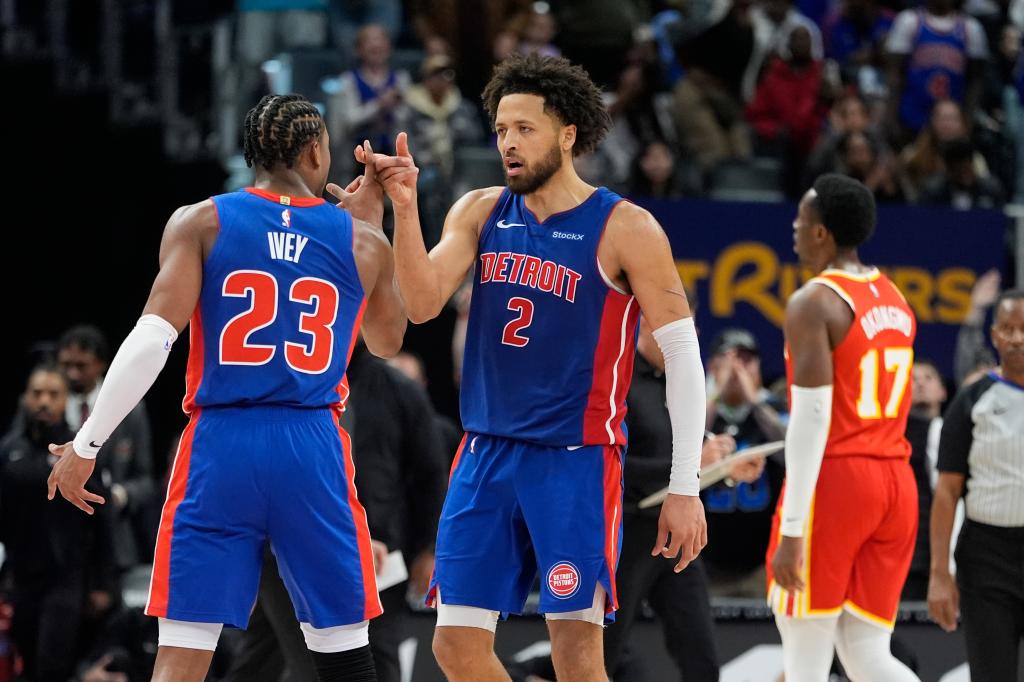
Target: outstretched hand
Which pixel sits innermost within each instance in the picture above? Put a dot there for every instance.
(69, 475)
(364, 196)
(398, 173)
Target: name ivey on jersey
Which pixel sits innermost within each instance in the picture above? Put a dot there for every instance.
(286, 245)
(530, 271)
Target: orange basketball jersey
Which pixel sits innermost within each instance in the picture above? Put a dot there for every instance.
(871, 368)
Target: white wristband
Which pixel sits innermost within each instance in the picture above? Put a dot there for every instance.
(809, 421)
(684, 397)
(134, 369)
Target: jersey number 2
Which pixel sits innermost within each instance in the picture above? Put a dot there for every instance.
(899, 361)
(261, 290)
(511, 335)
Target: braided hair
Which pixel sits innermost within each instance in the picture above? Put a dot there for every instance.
(278, 128)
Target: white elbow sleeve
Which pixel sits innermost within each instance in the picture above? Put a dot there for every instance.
(133, 370)
(684, 396)
(809, 421)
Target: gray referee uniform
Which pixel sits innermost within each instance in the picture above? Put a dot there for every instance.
(983, 439)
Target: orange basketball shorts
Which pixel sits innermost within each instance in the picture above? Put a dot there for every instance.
(858, 541)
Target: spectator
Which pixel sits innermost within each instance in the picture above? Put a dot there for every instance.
(981, 452)
(973, 356)
(773, 21)
(922, 160)
(126, 459)
(935, 53)
(861, 158)
(439, 121)
(788, 109)
(598, 34)
(849, 114)
(960, 186)
(347, 17)
(924, 425)
(368, 96)
(656, 174)
(59, 560)
(740, 514)
(539, 32)
(708, 105)
(450, 433)
(854, 37)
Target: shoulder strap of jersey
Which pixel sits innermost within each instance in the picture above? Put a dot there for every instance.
(832, 284)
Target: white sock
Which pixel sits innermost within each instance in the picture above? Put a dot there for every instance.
(864, 650)
(807, 645)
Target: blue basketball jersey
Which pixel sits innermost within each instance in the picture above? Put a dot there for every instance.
(280, 305)
(937, 70)
(550, 344)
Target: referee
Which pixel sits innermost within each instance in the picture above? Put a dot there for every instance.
(982, 449)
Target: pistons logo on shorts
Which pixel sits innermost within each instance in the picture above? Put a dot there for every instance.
(563, 580)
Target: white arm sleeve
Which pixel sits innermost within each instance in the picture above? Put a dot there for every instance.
(809, 421)
(684, 396)
(134, 369)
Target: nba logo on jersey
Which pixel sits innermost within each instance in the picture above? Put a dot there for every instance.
(563, 580)
(286, 218)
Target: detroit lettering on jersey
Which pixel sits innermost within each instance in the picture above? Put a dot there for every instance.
(550, 341)
(529, 271)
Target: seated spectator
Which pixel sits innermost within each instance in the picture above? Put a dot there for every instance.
(439, 121)
(935, 53)
(960, 186)
(773, 21)
(854, 37)
(60, 561)
(788, 109)
(849, 114)
(739, 515)
(539, 31)
(656, 174)
(708, 106)
(922, 160)
(861, 158)
(365, 105)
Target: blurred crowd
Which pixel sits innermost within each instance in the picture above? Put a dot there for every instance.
(732, 99)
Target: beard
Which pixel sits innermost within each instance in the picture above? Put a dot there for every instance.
(529, 182)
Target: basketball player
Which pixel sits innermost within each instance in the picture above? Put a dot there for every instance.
(273, 282)
(561, 271)
(844, 530)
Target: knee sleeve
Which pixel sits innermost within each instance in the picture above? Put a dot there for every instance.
(807, 645)
(352, 665)
(864, 649)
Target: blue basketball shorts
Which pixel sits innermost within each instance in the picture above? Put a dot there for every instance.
(245, 475)
(515, 510)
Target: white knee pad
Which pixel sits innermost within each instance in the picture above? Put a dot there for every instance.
(865, 652)
(807, 646)
(595, 614)
(337, 638)
(465, 616)
(186, 635)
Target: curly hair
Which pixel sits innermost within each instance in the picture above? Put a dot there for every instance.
(278, 128)
(566, 88)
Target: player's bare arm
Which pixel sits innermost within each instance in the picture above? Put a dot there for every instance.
(384, 320)
(814, 325)
(943, 594)
(188, 237)
(428, 280)
(635, 254)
